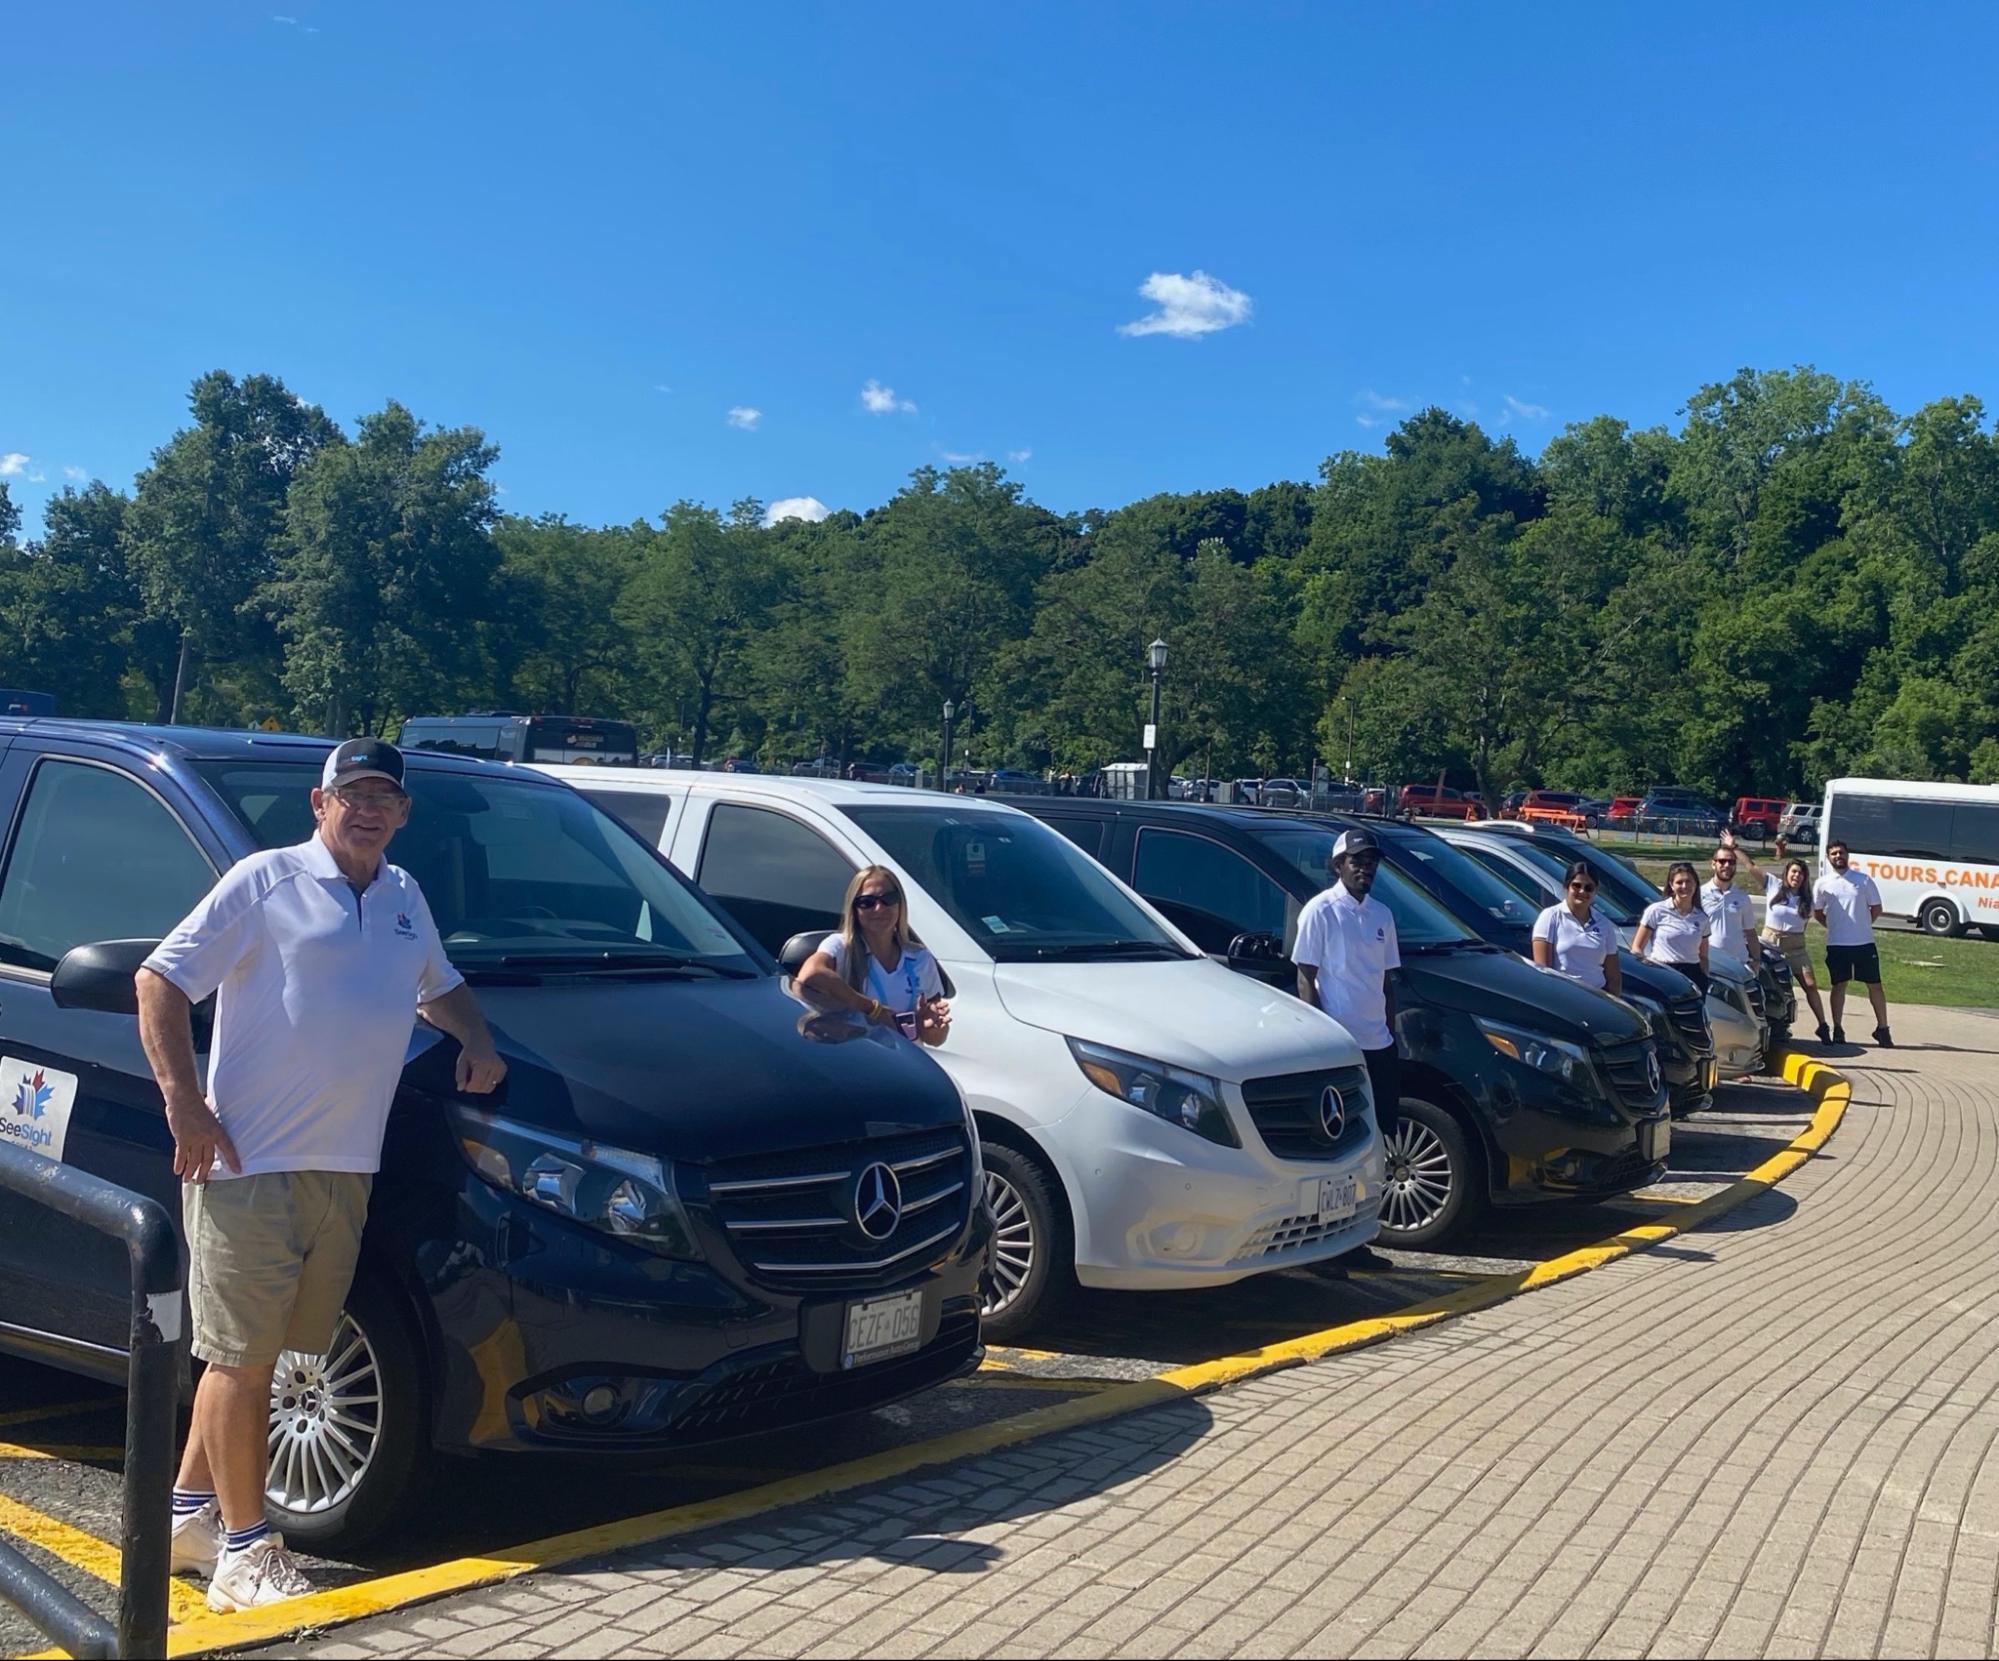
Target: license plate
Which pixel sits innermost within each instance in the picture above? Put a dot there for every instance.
(1655, 1137)
(878, 1328)
(1330, 1199)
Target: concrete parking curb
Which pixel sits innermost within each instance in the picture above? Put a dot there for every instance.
(212, 1633)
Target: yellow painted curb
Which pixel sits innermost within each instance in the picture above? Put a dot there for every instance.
(209, 1633)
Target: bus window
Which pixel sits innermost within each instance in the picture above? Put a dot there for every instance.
(555, 738)
(1974, 833)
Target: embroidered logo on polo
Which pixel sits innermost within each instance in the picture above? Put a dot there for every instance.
(404, 927)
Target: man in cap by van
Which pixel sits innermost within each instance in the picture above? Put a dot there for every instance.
(1345, 950)
(320, 957)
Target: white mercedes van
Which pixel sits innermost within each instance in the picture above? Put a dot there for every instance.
(1149, 1120)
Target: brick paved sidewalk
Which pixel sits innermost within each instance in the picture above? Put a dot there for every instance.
(1772, 1437)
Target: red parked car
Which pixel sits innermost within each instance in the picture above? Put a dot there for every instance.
(1433, 803)
(1623, 814)
(1760, 816)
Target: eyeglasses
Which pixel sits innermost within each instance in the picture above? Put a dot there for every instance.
(868, 902)
(369, 798)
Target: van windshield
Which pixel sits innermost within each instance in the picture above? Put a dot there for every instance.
(1455, 868)
(1419, 920)
(518, 875)
(1022, 891)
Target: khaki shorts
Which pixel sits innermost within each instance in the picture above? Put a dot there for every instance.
(270, 1260)
(1793, 948)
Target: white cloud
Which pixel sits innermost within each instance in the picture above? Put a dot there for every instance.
(1374, 400)
(13, 464)
(741, 415)
(1019, 455)
(958, 458)
(1189, 306)
(661, 386)
(1369, 420)
(1525, 411)
(290, 20)
(77, 473)
(796, 507)
(877, 399)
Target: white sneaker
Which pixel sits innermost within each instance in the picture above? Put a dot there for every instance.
(197, 1541)
(258, 1574)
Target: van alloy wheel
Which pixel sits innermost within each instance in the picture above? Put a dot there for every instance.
(1420, 1177)
(326, 1421)
(1013, 1245)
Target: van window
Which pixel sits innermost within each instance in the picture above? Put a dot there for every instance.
(1974, 833)
(1210, 891)
(645, 811)
(98, 857)
(1892, 825)
(777, 877)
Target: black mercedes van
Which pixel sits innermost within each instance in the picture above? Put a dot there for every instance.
(1518, 1085)
(653, 1237)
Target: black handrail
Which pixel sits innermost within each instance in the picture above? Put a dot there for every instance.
(151, 1402)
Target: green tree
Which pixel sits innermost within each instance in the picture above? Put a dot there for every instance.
(387, 563)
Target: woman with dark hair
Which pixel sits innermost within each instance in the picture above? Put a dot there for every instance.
(1573, 940)
(875, 966)
(1674, 931)
(1787, 908)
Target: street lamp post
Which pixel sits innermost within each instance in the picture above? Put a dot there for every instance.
(1349, 777)
(1155, 656)
(944, 765)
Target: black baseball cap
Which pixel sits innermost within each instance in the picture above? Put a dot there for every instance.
(363, 758)
(1356, 841)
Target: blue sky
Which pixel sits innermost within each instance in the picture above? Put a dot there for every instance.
(596, 229)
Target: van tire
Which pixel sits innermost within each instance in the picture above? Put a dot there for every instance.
(1034, 1236)
(1940, 917)
(1433, 1146)
(398, 1465)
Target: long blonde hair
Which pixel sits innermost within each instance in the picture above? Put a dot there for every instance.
(855, 957)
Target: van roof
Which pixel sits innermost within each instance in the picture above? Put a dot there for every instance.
(1917, 788)
(778, 787)
(142, 739)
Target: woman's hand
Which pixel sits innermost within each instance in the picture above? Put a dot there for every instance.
(933, 1020)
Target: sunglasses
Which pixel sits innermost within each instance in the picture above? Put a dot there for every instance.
(1582, 888)
(369, 798)
(869, 902)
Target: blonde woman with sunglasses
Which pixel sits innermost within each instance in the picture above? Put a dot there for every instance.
(875, 966)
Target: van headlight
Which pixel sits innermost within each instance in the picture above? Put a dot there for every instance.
(1567, 1062)
(627, 1194)
(1190, 1100)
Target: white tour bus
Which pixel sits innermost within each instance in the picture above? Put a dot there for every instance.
(1932, 848)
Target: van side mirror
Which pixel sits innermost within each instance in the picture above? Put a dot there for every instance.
(1255, 951)
(99, 976)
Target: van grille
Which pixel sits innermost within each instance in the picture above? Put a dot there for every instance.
(1624, 1069)
(792, 1218)
(1285, 1111)
(1690, 1020)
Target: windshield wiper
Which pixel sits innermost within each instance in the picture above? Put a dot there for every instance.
(1110, 948)
(615, 962)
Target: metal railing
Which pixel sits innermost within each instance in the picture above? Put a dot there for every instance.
(152, 1399)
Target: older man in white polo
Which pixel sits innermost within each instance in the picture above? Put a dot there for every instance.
(320, 956)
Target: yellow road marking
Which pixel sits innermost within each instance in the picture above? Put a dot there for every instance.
(372, 1597)
(57, 1410)
(88, 1553)
(60, 1450)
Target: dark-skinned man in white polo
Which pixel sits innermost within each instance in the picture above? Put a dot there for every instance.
(321, 956)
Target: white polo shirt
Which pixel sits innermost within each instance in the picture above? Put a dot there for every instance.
(1580, 948)
(1844, 900)
(1781, 909)
(317, 989)
(1352, 944)
(1676, 934)
(902, 988)
(1731, 911)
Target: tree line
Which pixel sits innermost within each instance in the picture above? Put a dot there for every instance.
(1798, 583)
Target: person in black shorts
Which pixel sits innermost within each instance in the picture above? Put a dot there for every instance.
(1847, 903)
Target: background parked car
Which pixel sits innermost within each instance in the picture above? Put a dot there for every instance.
(1800, 823)
(1760, 817)
(1431, 802)
(1622, 814)
(1680, 813)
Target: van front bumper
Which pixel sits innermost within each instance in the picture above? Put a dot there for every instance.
(548, 1336)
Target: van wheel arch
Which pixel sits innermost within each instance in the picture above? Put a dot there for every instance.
(1040, 1204)
(1940, 917)
(1427, 1084)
